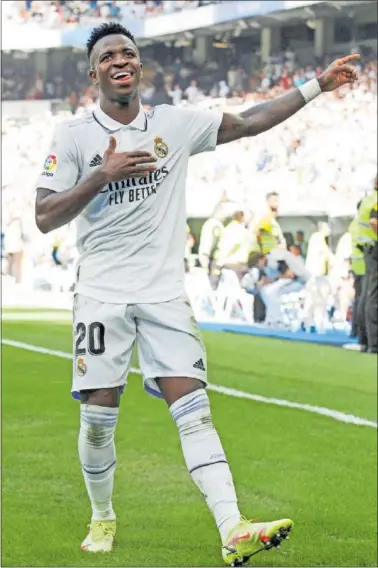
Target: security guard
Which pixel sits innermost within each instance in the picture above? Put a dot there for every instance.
(358, 269)
(367, 242)
(268, 231)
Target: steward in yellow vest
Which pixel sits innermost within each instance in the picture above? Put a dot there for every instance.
(367, 241)
(358, 269)
(357, 259)
(366, 234)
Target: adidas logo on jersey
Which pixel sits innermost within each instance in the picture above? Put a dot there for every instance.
(97, 160)
(199, 365)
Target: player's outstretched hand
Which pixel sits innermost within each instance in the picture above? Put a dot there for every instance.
(121, 165)
(339, 73)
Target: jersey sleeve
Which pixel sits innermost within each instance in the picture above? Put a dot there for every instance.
(60, 170)
(201, 128)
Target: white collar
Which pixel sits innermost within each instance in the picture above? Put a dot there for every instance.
(139, 122)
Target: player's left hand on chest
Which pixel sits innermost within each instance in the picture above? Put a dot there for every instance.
(339, 73)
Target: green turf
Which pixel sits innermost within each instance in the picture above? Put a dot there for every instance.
(286, 462)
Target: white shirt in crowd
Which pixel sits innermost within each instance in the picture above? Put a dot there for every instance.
(223, 89)
(193, 94)
(131, 237)
(176, 95)
(211, 233)
(234, 245)
(319, 255)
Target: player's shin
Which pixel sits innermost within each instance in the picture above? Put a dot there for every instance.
(98, 457)
(205, 458)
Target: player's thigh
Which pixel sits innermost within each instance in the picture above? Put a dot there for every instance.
(170, 347)
(103, 336)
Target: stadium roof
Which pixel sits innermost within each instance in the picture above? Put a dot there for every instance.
(236, 18)
(294, 11)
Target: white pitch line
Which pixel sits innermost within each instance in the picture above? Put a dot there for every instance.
(334, 414)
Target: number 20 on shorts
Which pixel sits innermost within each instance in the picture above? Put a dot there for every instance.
(90, 338)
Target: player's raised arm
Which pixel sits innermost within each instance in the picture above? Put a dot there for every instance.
(266, 115)
(59, 203)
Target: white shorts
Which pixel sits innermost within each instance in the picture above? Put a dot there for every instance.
(167, 337)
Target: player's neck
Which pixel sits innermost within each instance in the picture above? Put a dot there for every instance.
(122, 113)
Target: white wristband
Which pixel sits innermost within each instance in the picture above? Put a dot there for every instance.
(310, 90)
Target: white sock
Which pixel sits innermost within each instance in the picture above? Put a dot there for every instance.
(205, 458)
(98, 457)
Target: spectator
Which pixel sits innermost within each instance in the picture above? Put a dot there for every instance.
(253, 281)
(285, 81)
(211, 234)
(223, 89)
(176, 95)
(193, 93)
(234, 246)
(300, 242)
(290, 275)
(296, 250)
(319, 255)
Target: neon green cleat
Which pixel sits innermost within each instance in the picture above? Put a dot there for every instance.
(249, 538)
(100, 537)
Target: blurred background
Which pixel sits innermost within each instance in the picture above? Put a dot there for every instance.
(293, 190)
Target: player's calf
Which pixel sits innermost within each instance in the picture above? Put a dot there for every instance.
(205, 458)
(98, 461)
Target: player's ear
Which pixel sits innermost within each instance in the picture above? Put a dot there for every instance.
(93, 76)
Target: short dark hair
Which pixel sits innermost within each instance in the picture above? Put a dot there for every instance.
(271, 194)
(109, 28)
(238, 214)
(296, 247)
(254, 258)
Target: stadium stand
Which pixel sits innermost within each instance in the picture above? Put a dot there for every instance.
(59, 13)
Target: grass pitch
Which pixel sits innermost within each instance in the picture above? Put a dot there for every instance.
(286, 462)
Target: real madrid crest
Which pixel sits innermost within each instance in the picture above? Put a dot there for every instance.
(161, 149)
(81, 367)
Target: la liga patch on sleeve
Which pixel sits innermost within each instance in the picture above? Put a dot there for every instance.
(50, 165)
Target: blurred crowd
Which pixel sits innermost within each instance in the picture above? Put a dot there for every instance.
(320, 162)
(70, 12)
(309, 160)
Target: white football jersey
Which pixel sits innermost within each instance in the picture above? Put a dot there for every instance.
(131, 237)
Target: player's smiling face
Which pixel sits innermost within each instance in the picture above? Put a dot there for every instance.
(116, 67)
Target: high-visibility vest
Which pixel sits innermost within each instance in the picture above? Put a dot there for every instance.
(366, 235)
(357, 259)
(270, 234)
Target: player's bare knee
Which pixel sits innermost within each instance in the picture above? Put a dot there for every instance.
(174, 388)
(101, 397)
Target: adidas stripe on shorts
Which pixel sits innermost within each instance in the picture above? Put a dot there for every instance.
(166, 334)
